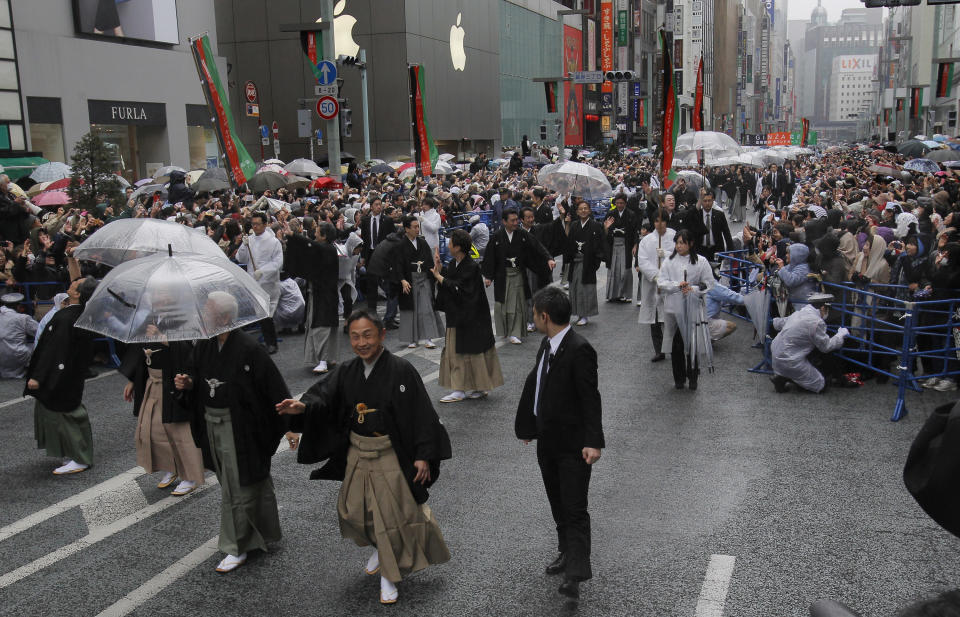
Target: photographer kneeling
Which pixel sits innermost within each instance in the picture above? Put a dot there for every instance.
(800, 333)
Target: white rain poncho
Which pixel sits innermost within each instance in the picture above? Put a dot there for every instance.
(17, 331)
(290, 307)
(265, 264)
(799, 334)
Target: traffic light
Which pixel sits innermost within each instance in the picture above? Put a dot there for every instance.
(343, 60)
(618, 76)
(543, 132)
(346, 118)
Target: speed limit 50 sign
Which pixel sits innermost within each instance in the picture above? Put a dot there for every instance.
(328, 108)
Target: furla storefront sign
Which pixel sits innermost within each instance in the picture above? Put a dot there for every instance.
(127, 112)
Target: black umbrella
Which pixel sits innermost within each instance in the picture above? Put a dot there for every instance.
(913, 148)
(266, 181)
(345, 157)
(382, 168)
(216, 173)
(209, 185)
(890, 146)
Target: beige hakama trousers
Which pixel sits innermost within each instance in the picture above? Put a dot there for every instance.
(165, 447)
(468, 372)
(377, 508)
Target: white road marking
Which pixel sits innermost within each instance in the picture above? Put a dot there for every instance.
(70, 502)
(713, 594)
(96, 535)
(21, 399)
(114, 505)
(133, 600)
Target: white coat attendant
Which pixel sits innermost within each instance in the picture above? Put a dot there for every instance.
(430, 226)
(653, 251)
(266, 262)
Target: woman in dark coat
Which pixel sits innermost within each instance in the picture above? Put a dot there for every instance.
(469, 364)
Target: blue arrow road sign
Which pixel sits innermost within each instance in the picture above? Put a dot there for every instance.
(319, 134)
(264, 130)
(328, 72)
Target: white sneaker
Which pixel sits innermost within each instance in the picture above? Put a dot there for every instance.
(566, 285)
(477, 394)
(639, 303)
(582, 321)
(231, 563)
(530, 327)
(184, 488)
(388, 592)
(453, 397)
(321, 368)
(515, 341)
(946, 385)
(430, 344)
(931, 383)
(373, 564)
(71, 467)
(412, 346)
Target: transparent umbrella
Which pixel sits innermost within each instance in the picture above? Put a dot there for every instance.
(693, 179)
(706, 141)
(304, 167)
(924, 166)
(578, 179)
(442, 168)
(163, 174)
(174, 294)
(126, 239)
(48, 172)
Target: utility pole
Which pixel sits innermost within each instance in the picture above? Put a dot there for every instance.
(363, 103)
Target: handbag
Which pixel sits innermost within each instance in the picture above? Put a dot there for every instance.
(932, 471)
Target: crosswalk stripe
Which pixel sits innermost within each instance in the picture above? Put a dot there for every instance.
(96, 535)
(130, 602)
(70, 502)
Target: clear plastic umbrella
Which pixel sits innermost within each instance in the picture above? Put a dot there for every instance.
(446, 156)
(273, 162)
(757, 303)
(277, 169)
(706, 141)
(577, 179)
(442, 168)
(126, 239)
(924, 166)
(176, 295)
(304, 167)
(693, 179)
(163, 174)
(48, 172)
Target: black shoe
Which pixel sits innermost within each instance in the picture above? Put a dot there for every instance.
(558, 565)
(679, 385)
(779, 383)
(570, 588)
(658, 358)
(301, 329)
(392, 325)
(693, 382)
(271, 349)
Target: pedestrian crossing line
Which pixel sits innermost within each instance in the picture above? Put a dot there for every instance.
(150, 589)
(21, 399)
(98, 534)
(716, 583)
(73, 501)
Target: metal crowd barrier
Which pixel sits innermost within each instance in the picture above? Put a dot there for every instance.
(883, 328)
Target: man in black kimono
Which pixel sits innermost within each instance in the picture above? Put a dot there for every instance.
(560, 407)
(509, 254)
(235, 388)
(56, 377)
(622, 231)
(318, 262)
(370, 419)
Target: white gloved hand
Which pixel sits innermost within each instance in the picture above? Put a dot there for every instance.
(257, 274)
(843, 333)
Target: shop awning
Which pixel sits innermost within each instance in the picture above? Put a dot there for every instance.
(18, 167)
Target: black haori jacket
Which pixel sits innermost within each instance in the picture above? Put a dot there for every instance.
(525, 250)
(395, 390)
(170, 360)
(60, 361)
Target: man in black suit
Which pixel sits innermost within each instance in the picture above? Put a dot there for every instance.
(710, 228)
(789, 185)
(560, 408)
(374, 229)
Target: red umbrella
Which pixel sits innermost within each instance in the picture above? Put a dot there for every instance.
(326, 182)
(59, 184)
(405, 166)
(52, 198)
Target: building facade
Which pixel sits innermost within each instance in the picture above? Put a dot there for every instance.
(135, 85)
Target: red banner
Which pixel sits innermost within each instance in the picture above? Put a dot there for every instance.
(806, 132)
(424, 148)
(572, 93)
(698, 99)
(670, 127)
(606, 42)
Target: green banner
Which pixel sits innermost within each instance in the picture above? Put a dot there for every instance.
(622, 28)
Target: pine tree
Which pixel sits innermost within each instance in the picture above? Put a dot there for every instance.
(92, 174)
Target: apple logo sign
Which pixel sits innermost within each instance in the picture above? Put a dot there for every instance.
(343, 25)
(457, 53)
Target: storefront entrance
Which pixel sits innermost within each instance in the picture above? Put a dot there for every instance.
(135, 134)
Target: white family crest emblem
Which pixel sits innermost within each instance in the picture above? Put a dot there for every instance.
(214, 384)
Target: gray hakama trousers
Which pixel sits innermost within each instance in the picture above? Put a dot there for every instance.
(509, 315)
(321, 342)
(248, 514)
(64, 434)
(376, 507)
(423, 322)
(583, 296)
(619, 277)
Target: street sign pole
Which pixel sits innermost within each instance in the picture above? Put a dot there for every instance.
(333, 126)
(363, 100)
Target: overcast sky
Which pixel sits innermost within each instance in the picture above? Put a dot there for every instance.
(801, 9)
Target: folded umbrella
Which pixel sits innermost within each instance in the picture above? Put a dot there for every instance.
(173, 293)
(126, 239)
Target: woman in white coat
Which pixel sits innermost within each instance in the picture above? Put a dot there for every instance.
(651, 253)
(683, 280)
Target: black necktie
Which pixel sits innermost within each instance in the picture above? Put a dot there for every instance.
(544, 369)
(373, 233)
(709, 240)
